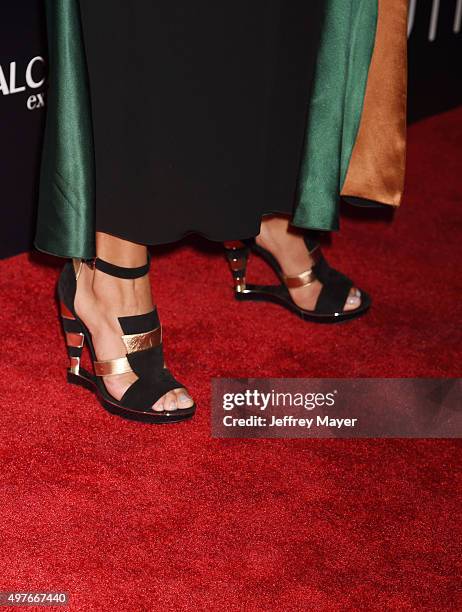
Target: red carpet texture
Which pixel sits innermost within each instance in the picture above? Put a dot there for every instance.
(127, 517)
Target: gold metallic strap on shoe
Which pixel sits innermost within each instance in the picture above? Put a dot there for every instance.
(133, 343)
(299, 280)
(112, 367)
(141, 342)
(304, 278)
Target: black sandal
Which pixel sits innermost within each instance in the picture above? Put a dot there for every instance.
(143, 340)
(331, 300)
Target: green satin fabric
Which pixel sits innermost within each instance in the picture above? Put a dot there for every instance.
(66, 214)
(65, 222)
(335, 110)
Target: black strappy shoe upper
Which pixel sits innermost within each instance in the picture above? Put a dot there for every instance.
(142, 336)
(335, 285)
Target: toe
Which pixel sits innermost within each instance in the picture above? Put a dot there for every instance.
(170, 403)
(183, 399)
(353, 300)
(159, 405)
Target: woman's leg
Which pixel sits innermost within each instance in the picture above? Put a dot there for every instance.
(286, 244)
(101, 299)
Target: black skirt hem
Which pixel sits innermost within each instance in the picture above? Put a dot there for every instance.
(178, 237)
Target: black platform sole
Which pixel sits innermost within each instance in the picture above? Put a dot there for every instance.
(85, 380)
(275, 294)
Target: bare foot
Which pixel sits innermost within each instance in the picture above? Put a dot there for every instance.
(286, 244)
(100, 299)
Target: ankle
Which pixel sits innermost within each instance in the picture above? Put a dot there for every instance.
(108, 297)
(286, 244)
(276, 233)
(125, 297)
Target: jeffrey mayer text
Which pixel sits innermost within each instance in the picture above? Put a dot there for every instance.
(287, 421)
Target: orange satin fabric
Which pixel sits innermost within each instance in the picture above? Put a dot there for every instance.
(377, 166)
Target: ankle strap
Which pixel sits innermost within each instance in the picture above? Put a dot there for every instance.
(121, 272)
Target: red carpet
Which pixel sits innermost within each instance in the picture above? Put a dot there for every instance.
(128, 517)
